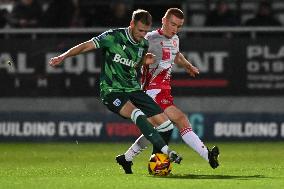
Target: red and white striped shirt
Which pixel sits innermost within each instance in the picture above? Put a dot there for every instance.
(158, 75)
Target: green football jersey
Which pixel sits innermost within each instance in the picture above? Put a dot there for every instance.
(121, 56)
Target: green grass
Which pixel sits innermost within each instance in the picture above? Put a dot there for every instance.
(92, 165)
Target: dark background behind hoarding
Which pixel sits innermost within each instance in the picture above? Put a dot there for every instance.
(228, 67)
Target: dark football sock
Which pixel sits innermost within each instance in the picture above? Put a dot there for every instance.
(150, 132)
(166, 136)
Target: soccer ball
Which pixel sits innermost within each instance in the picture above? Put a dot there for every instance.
(159, 164)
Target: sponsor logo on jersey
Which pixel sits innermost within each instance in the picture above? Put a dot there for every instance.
(166, 53)
(117, 58)
(116, 102)
(165, 101)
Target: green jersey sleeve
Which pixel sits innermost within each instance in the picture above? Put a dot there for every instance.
(103, 40)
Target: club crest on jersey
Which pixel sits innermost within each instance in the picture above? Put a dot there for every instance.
(140, 52)
(174, 43)
(116, 102)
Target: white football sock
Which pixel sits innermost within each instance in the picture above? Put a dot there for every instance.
(138, 146)
(165, 149)
(192, 140)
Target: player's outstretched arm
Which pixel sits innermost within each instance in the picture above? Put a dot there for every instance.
(78, 49)
(189, 68)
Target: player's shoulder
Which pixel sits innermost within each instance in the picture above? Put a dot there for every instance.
(153, 34)
(115, 31)
(106, 34)
(175, 37)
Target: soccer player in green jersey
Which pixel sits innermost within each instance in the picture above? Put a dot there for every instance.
(124, 50)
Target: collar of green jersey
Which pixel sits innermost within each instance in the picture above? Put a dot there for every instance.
(129, 36)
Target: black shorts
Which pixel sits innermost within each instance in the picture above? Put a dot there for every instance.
(116, 100)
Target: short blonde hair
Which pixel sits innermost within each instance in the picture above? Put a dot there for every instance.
(142, 16)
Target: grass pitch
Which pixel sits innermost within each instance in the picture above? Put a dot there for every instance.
(91, 165)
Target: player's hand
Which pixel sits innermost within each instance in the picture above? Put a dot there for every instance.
(149, 58)
(192, 70)
(55, 61)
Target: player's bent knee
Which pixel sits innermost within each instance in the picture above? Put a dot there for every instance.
(179, 118)
(158, 119)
